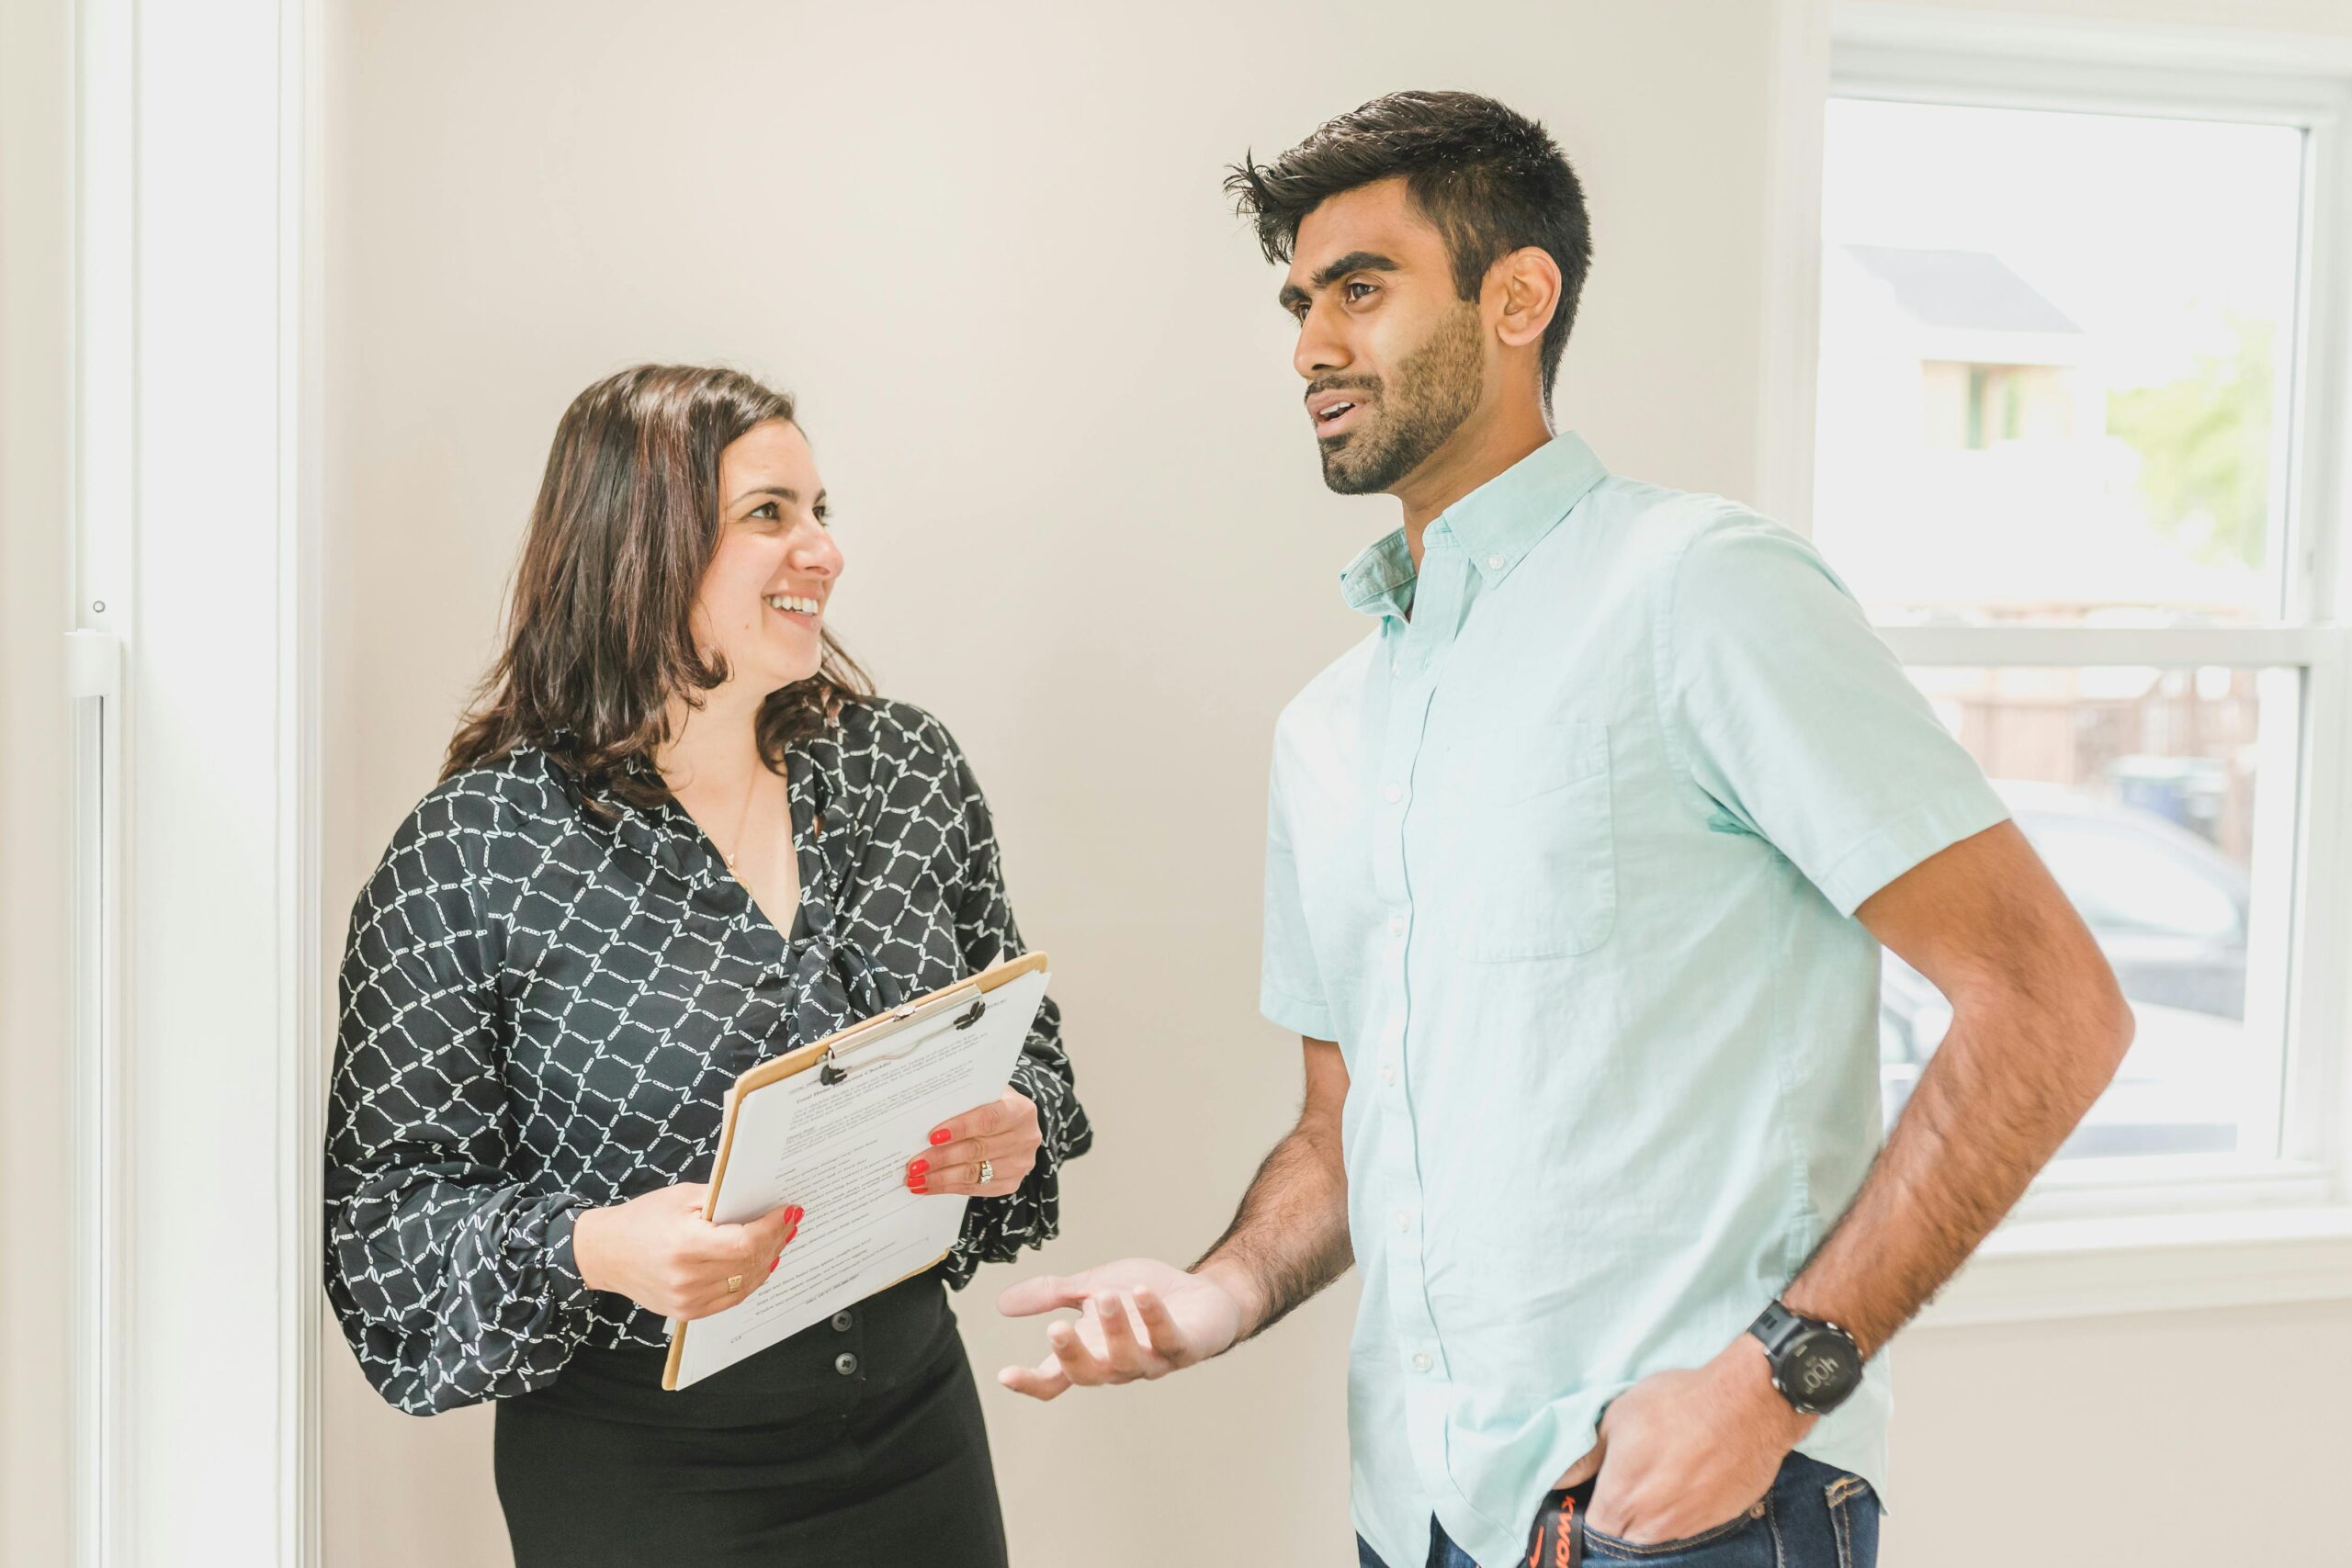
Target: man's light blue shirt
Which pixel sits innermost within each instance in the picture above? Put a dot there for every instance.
(1564, 856)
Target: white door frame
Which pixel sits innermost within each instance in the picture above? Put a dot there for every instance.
(198, 1013)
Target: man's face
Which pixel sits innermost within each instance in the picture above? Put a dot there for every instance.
(1395, 359)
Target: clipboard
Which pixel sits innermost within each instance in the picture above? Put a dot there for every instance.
(862, 1046)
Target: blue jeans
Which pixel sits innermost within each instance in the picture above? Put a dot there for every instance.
(1815, 1518)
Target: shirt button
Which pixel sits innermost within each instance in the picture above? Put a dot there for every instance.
(1404, 1219)
(1393, 792)
(841, 1321)
(1389, 1074)
(1422, 1362)
(1395, 667)
(845, 1364)
(1395, 925)
(1494, 563)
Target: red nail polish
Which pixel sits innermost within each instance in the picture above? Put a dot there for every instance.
(939, 1136)
(918, 1166)
(917, 1184)
(776, 1260)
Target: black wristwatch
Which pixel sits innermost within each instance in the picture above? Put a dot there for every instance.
(1815, 1364)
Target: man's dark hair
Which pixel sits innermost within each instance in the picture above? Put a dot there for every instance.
(1492, 181)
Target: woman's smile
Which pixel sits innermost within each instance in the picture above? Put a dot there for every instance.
(802, 607)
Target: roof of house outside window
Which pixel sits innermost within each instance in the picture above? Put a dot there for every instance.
(1971, 290)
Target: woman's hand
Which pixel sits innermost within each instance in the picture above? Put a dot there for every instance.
(661, 1253)
(1003, 1131)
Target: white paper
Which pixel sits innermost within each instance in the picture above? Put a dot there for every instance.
(840, 1151)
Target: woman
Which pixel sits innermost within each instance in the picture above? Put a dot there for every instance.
(677, 835)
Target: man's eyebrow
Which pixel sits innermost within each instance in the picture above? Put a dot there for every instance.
(1354, 261)
(1293, 296)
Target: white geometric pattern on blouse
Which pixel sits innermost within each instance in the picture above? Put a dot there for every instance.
(541, 1010)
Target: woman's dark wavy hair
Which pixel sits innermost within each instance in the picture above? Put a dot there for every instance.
(599, 633)
(1491, 180)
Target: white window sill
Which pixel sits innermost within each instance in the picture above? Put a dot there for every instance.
(2033, 1270)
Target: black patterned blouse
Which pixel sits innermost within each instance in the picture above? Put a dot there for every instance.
(541, 1012)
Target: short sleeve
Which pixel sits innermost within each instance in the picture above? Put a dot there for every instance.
(1796, 718)
(1290, 991)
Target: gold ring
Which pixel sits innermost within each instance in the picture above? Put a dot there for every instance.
(734, 1284)
(988, 1170)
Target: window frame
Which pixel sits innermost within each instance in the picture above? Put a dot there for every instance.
(2103, 1236)
(200, 996)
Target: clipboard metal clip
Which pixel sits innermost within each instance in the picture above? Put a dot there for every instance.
(835, 1070)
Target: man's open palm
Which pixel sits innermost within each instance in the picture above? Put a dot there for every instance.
(1138, 1318)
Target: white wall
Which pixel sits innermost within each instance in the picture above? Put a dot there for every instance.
(1050, 392)
(36, 1078)
(2159, 1439)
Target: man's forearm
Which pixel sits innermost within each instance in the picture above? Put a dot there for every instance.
(1995, 1103)
(1289, 1238)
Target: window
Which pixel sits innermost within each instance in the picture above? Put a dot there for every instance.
(2054, 357)
(2077, 339)
(2146, 790)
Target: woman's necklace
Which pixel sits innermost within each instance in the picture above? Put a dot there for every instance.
(742, 820)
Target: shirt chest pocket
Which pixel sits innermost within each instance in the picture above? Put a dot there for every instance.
(1532, 858)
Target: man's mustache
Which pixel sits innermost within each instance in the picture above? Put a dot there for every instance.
(1343, 384)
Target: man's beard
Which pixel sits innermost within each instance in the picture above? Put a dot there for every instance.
(1435, 390)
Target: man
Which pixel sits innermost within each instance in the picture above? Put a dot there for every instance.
(1577, 869)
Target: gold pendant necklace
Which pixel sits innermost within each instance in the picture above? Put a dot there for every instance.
(743, 819)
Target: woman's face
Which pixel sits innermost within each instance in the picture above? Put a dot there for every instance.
(761, 604)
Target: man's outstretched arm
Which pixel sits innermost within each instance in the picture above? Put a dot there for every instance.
(1142, 1318)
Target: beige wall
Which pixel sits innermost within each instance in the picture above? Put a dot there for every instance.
(1050, 392)
(1124, 360)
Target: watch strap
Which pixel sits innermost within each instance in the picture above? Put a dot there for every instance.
(1775, 1326)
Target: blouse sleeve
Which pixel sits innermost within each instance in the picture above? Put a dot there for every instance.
(453, 1281)
(997, 1229)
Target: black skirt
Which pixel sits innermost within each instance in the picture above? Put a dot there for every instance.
(857, 1444)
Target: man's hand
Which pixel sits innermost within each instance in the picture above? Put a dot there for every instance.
(1139, 1318)
(1681, 1452)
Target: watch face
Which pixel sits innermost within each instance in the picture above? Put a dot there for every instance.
(1818, 1370)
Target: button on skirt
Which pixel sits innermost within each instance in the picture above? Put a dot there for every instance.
(857, 1443)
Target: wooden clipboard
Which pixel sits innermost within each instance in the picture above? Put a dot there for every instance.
(841, 1054)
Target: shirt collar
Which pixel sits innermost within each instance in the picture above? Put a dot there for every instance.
(1379, 582)
(1496, 525)
(1506, 517)
(666, 833)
